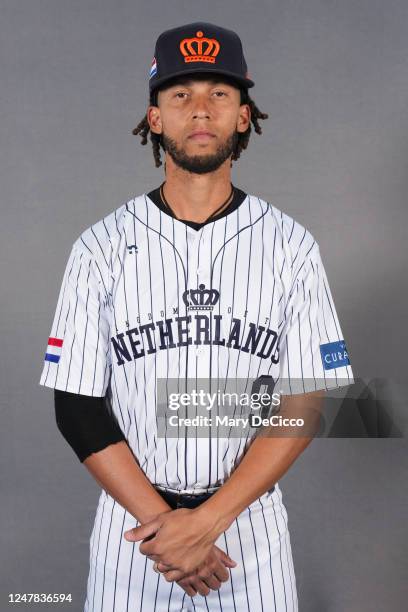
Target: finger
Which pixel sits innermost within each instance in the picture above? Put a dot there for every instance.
(212, 582)
(146, 549)
(162, 567)
(220, 571)
(201, 587)
(174, 575)
(226, 559)
(189, 589)
(150, 537)
(143, 531)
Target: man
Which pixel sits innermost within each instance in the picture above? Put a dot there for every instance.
(195, 280)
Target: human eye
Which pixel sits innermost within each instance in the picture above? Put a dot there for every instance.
(219, 93)
(179, 95)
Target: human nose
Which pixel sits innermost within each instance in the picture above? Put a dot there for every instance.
(200, 109)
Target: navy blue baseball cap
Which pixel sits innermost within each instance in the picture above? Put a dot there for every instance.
(198, 47)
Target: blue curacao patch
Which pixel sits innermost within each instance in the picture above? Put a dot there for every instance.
(334, 355)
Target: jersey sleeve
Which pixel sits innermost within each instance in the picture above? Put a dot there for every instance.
(77, 356)
(312, 349)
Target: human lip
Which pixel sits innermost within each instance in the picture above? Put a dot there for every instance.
(201, 134)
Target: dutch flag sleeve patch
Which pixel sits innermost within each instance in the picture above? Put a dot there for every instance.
(53, 352)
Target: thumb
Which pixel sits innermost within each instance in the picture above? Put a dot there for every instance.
(226, 559)
(142, 532)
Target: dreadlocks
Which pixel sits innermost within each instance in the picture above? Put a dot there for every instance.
(143, 128)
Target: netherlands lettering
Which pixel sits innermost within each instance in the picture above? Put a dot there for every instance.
(187, 330)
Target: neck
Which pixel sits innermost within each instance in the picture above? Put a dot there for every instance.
(194, 197)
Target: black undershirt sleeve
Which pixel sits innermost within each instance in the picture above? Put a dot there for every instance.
(85, 422)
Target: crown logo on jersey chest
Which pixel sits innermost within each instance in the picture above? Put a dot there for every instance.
(200, 48)
(201, 298)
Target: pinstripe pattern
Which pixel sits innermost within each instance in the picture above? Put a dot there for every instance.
(258, 540)
(122, 318)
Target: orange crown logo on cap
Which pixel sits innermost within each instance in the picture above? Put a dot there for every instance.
(192, 48)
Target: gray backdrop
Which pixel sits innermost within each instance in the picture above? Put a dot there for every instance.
(333, 76)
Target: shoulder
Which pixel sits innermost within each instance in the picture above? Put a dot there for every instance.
(100, 243)
(296, 241)
(99, 237)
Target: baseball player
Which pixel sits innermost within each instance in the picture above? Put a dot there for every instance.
(194, 280)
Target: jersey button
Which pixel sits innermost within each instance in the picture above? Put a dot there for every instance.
(198, 270)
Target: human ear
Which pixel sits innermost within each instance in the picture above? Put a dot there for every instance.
(154, 119)
(244, 118)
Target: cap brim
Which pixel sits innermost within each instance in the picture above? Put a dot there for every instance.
(245, 82)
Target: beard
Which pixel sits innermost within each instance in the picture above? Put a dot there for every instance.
(200, 164)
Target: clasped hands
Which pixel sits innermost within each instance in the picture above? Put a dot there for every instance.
(182, 544)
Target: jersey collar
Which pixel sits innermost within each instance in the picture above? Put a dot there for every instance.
(238, 197)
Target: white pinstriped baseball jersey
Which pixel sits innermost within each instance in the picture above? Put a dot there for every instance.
(123, 320)
(146, 297)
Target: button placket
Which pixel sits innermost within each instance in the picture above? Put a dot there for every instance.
(197, 271)
(202, 263)
(196, 244)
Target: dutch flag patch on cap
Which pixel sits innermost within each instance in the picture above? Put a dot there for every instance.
(54, 348)
(153, 68)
